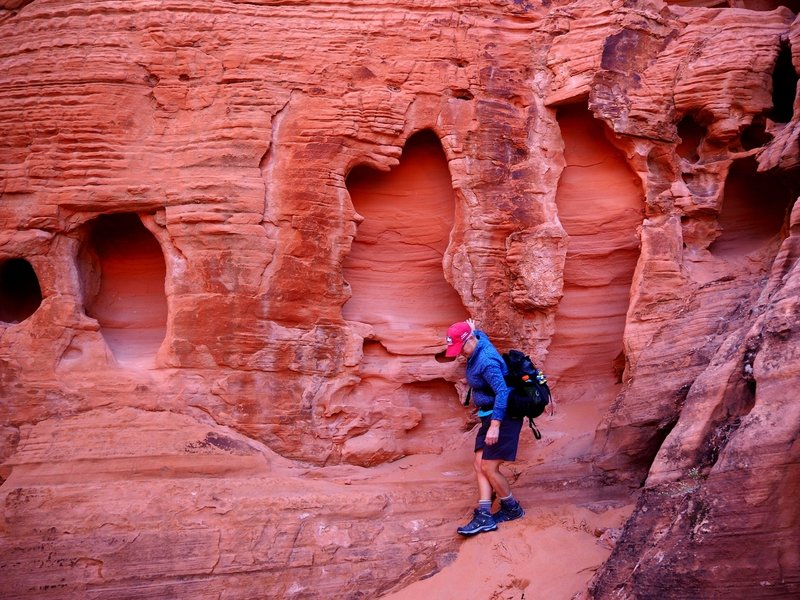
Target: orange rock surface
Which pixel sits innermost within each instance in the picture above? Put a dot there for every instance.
(233, 233)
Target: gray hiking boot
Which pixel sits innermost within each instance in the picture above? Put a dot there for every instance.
(508, 513)
(482, 521)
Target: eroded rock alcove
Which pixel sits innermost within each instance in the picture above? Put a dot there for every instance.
(600, 205)
(398, 290)
(123, 275)
(395, 265)
(755, 211)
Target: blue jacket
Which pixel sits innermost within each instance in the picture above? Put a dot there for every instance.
(486, 371)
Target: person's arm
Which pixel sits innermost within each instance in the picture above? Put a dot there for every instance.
(494, 377)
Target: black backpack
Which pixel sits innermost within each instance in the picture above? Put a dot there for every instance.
(530, 393)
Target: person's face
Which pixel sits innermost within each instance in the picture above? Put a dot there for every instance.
(469, 346)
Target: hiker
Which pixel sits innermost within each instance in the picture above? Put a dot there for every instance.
(498, 435)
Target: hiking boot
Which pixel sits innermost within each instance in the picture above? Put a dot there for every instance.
(508, 513)
(482, 521)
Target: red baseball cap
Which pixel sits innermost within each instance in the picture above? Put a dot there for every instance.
(457, 334)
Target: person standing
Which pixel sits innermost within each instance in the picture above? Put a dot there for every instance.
(498, 435)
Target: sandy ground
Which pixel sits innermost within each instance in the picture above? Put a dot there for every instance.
(546, 555)
(568, 531)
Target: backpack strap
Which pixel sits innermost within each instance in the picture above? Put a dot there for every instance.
(469, 395)
(536, 433)
(552, 404)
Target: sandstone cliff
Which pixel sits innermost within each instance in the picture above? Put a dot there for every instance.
(232, 234)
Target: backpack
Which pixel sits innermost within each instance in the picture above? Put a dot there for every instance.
(530, 393)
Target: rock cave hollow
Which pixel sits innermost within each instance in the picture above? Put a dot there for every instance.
(123, 275)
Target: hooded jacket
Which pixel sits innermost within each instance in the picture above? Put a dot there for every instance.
(486, 371)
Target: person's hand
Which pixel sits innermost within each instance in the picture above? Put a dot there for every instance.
(471, 323)
(493, 434)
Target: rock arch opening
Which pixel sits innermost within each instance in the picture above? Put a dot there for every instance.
(784, 86)
(123, 273)
(395, 267)
(754, 210)
(20, 292)
(600, 204)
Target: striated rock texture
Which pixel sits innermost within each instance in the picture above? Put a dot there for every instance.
(233, 233)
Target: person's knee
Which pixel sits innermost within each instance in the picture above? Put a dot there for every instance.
(489, 467)
(477, 463)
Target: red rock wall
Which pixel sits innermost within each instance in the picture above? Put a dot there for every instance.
(232, 234)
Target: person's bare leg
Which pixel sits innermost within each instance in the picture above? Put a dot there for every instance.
(510, 509)
(483, 519)
(497, 481)
(484, 484)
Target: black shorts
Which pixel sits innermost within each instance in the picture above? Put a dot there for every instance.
(505, 448)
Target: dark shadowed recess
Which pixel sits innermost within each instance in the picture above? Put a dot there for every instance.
(122, 272)
(20, 294)
(691, 134)
(784, 91)
(754, 209)
(755, 135)
(784, 86)
(760, 5)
